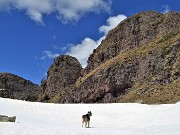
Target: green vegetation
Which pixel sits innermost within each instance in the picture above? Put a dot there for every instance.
(161, 42)
(151, 93)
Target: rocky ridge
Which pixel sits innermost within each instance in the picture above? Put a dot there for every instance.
(15, 87)
(131, 33)
(138, 61)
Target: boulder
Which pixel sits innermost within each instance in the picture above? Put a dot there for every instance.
(4, 118)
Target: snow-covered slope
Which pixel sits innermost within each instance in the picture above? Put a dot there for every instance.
(108, 119)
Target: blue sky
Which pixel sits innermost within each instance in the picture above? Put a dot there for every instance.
(34, 32)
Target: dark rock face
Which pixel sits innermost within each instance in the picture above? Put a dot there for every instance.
(138, 61)
(7, 119)
(61, 75)
(16, 87)
(113, 83)
(131, 33)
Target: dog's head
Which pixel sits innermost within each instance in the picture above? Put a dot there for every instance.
(89, 112)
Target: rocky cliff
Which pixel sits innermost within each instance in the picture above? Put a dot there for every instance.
(15, 87)
(131, 33)
(138, 61)
(61, 76)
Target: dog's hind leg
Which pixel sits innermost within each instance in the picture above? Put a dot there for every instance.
(86, 124)
(82, 122)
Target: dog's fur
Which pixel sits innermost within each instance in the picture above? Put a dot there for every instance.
(86, 119)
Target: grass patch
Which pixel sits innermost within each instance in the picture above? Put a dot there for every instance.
(151, 93)
(160, 42)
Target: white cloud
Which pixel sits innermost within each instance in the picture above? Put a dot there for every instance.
(36, 16)
(83, 50)
(49, 54)
(67, 10)
(70, 10)
(166, 9)
(111, 23)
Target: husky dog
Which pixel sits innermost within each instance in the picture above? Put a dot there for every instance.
(86, 119)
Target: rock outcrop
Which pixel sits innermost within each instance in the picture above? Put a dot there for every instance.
(61, 75)
(15, 87)
(139, 60)
(7, 119)
(131, 33)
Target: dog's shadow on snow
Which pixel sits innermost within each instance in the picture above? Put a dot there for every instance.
(91, 127)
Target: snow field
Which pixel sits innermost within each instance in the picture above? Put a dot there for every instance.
(107, 119)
